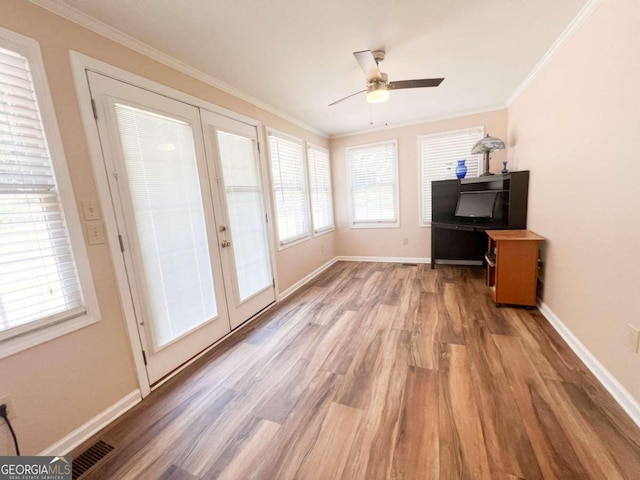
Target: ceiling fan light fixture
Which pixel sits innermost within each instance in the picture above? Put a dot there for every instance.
(378, 84)
(377, 93)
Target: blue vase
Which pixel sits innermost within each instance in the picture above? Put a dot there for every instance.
(504, 169)
(461, 169)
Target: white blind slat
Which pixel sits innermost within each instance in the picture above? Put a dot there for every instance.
(439, 155)
(289, 188)
(373, 181)
(321, 192)
(13, 59)
(39, 277)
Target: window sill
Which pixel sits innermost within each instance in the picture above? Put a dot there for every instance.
(375, 225)
(293, 242)
(32, 338)
(323, 232)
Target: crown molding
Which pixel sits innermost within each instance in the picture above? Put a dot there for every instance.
(568, 32)
(420, 122)
(115, 35)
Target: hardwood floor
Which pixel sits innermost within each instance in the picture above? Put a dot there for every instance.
(382, 371)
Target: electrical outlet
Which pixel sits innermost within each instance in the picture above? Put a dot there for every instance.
(633, 338)
(95, 232)
(405, 241)
(11, 409)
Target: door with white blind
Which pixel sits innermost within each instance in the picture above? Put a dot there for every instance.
(232, 147)
(158, 177)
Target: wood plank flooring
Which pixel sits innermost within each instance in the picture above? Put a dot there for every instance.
(381, 371)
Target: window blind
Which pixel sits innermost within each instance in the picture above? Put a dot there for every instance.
(320, 184)
(289, 188)
(246, 216)
(439, 155)
(38, 277)
(373, 183)
(168, 214)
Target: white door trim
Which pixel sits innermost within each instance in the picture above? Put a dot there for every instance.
(79, 64)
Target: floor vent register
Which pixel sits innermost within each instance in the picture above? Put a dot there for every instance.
(90, 458)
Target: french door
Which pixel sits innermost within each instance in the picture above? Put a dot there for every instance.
(243, 224)
(169, 210)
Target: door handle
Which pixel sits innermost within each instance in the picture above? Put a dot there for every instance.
(225, 244)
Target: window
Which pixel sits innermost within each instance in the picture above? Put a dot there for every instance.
(373, 185)
(439, 155)
(320, 186)
(289, 188)
(41, 280)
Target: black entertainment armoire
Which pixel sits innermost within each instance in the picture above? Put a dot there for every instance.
(462, 239)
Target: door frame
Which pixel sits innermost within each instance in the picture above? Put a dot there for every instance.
(79, 64)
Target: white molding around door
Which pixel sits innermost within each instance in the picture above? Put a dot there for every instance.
(79, 65)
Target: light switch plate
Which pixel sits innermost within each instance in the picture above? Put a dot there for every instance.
(95, 232)
(90, 210)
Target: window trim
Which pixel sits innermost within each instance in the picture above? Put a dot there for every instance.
(332, 227)
(304, 237)
(421, 223)
(46, 329)
(370, 225)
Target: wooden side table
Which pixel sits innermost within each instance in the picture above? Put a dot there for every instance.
(512, 266)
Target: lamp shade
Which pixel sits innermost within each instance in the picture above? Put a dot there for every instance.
(488, 144)
(377, 93)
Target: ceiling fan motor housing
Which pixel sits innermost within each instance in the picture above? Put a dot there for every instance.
(376, 82)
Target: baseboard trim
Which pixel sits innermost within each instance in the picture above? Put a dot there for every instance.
(93, 426)
(613, 386)
(300, 283)
(347, 258)
(356, 258)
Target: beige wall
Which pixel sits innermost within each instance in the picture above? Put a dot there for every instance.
(577, 128)
(583, 198)
(58, 386)
(388, 242)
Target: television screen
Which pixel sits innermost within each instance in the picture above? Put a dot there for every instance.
(476, 204)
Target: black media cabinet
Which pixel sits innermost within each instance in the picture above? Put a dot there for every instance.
(463, 240)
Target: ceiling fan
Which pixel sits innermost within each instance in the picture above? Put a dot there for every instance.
(378, 84)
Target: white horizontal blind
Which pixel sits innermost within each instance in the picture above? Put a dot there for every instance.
(320, 184)
(439, 155)
(246, 218)
(289, 188)
(373, 183)
(162, 173)
(38, 277)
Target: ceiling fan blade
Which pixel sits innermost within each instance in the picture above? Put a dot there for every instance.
(424, 82)
(368, 65)
(348, 96)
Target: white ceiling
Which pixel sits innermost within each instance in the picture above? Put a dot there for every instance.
(296, 56)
